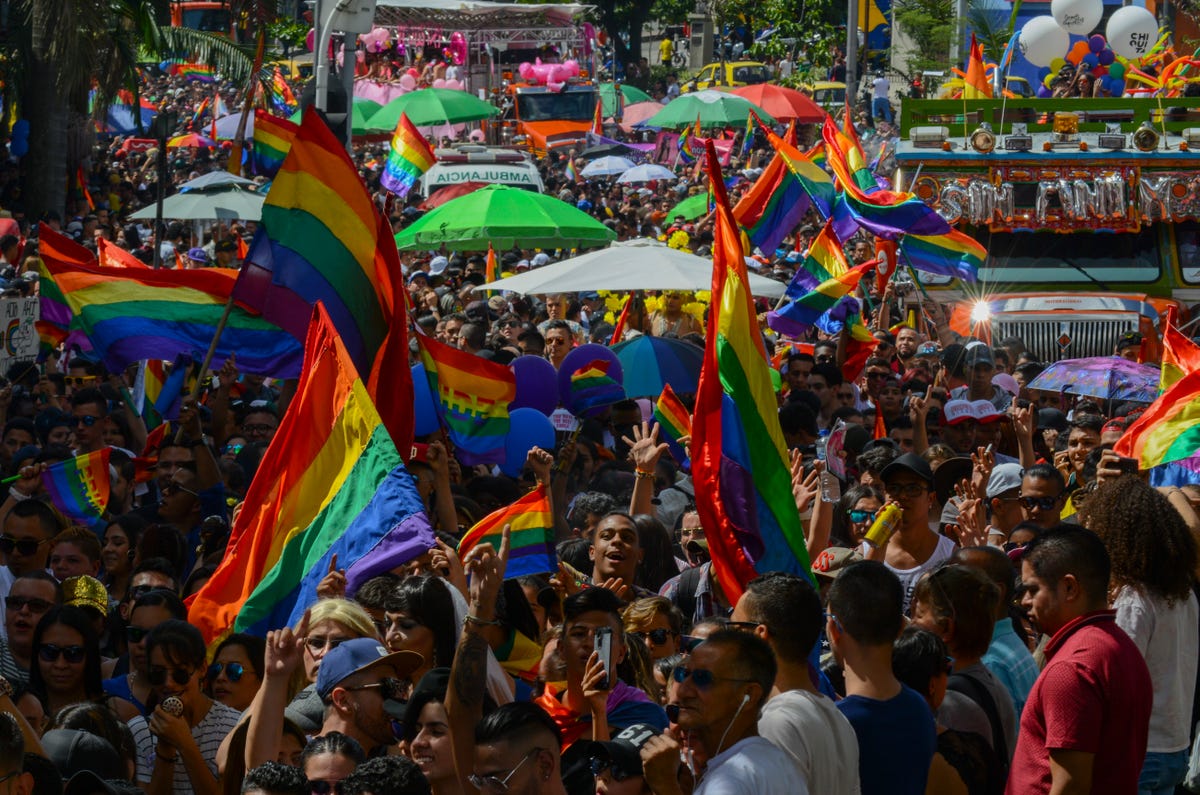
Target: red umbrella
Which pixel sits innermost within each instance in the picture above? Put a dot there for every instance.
(443, 195)
(783, 103)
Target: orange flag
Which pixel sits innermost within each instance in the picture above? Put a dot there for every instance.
(976, 85)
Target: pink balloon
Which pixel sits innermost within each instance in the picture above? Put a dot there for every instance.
(408, 82)
(439, 83)
(456, 85)
(310, 40)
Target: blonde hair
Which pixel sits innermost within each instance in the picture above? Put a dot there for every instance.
(350, 615)
(639, 614)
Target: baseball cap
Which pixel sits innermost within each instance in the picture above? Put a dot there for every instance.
(830, 563)
(985, 412)
(956, 411)
(225, 245)
(978, 353)
(927, 349)
(1130, 339)
(358, 655)
(197, 254)
(624, 752)
(1006, 382)
(85, 591)
(1053, 419)
(909, 462)
(498, 304)
(85, 782)
(73, 751)
(417, 274)
(540, 259)
(437, 265)
(1005, 477)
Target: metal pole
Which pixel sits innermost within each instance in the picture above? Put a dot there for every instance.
(349, 61)
(163, 132)
(851, 50)
(320, 56)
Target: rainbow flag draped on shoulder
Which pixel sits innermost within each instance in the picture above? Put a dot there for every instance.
(79, 487)
(322, 239)
(409, 157)
(531, 539)
(739, 459)
(472, 396)
(331, 483)
(272, 140)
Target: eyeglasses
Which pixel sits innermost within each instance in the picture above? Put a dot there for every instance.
(742, 626)
(495, 783)
(73, 654)
(599, 765)
(157, 675)
(171, 487)
(233, 671)
(87, 420)
(24, 546)
(318, 643)
(906, 489)
(257, 428)
(861, 517)
(35, 605)
(657, 636)
(391, 689)
(1044, 503)
(325, 787)
(702, 678)
(136, 634)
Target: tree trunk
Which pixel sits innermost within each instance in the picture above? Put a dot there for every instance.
(46, 109)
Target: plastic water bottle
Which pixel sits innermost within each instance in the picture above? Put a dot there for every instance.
(822, 440)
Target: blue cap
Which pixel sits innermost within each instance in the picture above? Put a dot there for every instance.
(198, 254)
(355, 656)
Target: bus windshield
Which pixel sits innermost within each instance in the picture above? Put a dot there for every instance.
(564, 106)
(213, 20)
(1079, 258)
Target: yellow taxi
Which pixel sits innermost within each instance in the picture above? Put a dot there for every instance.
(737, 73)
(829, 95)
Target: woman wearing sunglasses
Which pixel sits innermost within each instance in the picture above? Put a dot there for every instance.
(235, 674)
(657, 623)
(856, 511)
(66, 660)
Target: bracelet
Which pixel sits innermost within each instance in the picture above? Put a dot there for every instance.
(641, 474)
(476, 620)
(19, 496)
(169, 759)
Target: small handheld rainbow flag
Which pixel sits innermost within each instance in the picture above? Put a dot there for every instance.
(598, 118)
(690, 145)
(674, 421)
(281, 96)
(593, 389)
(572, 172)
(531, 539)
(748, 138)
(78, 487)
(409, 158)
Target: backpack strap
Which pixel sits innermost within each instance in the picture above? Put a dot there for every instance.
(973, 689)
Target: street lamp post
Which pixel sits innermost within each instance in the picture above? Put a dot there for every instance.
(164, 124)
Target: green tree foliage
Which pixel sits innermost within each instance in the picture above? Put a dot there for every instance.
(930, 26)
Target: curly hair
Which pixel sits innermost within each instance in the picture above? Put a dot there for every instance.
(1159, 560)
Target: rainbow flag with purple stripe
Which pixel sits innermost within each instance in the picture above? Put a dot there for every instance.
(773, 207)
(817, 288)
(281, 97)
(79, 487)
(593, 389)
(531, 534)
(674, 422)
(954, 254)
(410, 156)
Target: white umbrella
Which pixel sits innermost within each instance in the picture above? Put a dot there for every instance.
(647, 172)
(213, 180)
(640, 264)
(607, 166)
(200, 205)
(227, 127)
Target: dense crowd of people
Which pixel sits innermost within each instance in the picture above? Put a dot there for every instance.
(997, 604)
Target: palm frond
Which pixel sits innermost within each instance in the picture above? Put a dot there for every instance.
(234, 61)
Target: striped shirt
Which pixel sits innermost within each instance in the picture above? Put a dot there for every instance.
(208, 734)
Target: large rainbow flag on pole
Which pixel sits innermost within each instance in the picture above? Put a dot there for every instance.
(272, 140)
(739, 458)
(322, 239)
(773, 207)
(79, 487)
(531, 539)
(331, 483)
(819, 284)
(409, 157)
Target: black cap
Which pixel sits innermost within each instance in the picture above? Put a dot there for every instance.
(910, 462)
(74, 751)
(1130, 339)
(948, 474)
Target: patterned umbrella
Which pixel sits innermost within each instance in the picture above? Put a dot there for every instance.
(651, 362)
(191, 141)
(1104, 377)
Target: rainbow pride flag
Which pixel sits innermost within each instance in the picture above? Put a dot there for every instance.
(812, 178)
(1180, 355)
(773, 207)
(192, 72)
(322, 239)
(818, 306)
(131, 314)
(739, 457)
(147, 386)
(592, 389)
(409, 157)
(952, 254)
(674, 422)
(531, 539)
(110, 255)
(331, 483)
(79, 487)
(272, 140)
(690, 145)
(1169, 430)
(281, 97)
(571, 172)
(472, 397)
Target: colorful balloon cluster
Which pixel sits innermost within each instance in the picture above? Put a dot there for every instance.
(1102, 63)
(552, 75)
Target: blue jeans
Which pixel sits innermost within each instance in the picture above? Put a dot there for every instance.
(881, 109)
(1161, 772)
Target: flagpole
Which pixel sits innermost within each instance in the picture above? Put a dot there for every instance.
(234, 165)
(208, 357)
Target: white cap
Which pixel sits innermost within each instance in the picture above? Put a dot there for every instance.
(437, 265)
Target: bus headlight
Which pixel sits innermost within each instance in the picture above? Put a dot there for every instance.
(981, 312)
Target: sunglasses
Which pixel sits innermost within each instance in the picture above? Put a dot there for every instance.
(318, 643)
(861, 517)
(233, 449)
(508, 324)
(702, 678)
(233, 671)
(50, 653)
(35, 605)
(657, 636)
(879, 375)
(1044, 503)
(157, 675)
(325, 787)
(688, 643)
(136, 634)
(257, 428)
(495, 783)
(599, 765)
(391, 689)
(79, 380)
(24, 546)
(87, 420)
(171, 487)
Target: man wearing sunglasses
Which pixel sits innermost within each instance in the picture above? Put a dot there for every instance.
(25, 542)
(359, 685)
(516, 751)
(31, 597)
(89, 407)
(914, 548)
(718, 692)
(1043, 492)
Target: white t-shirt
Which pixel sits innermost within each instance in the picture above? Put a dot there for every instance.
(208, 734)
(881, 86)
(908, 577)
(753, 766)
(818, 738)
(1167, 637)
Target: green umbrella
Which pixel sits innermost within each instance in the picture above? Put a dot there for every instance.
(690, 208)
(429, 107)
(715, 109)
(504, 217)
(360, 112)
(608, 97)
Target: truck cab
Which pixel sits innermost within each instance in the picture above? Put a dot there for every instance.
(1089, 210)
(211, 16)
(542, 120)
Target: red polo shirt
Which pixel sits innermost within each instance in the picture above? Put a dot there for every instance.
(1094, 695)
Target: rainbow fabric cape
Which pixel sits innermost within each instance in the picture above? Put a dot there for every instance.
(674, 422)
(272, 140)
(739, 459)
(322, 239)
(952, 254)
(79, 487)
(531, 539)
(471, 396)
(331, 483)
(1180, 355)
(409, 157)
(131, 314)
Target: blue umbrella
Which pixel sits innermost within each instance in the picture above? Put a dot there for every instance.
(650, 362)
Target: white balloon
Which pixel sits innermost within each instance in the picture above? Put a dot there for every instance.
(1077, 16)
(1042, 40)
(1131, 32)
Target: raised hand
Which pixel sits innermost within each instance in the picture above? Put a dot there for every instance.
(333, 584)
(644, 447)
(540, 462)
(285, 649)
(486, 569)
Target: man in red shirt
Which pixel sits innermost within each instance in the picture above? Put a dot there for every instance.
(1085, 725)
